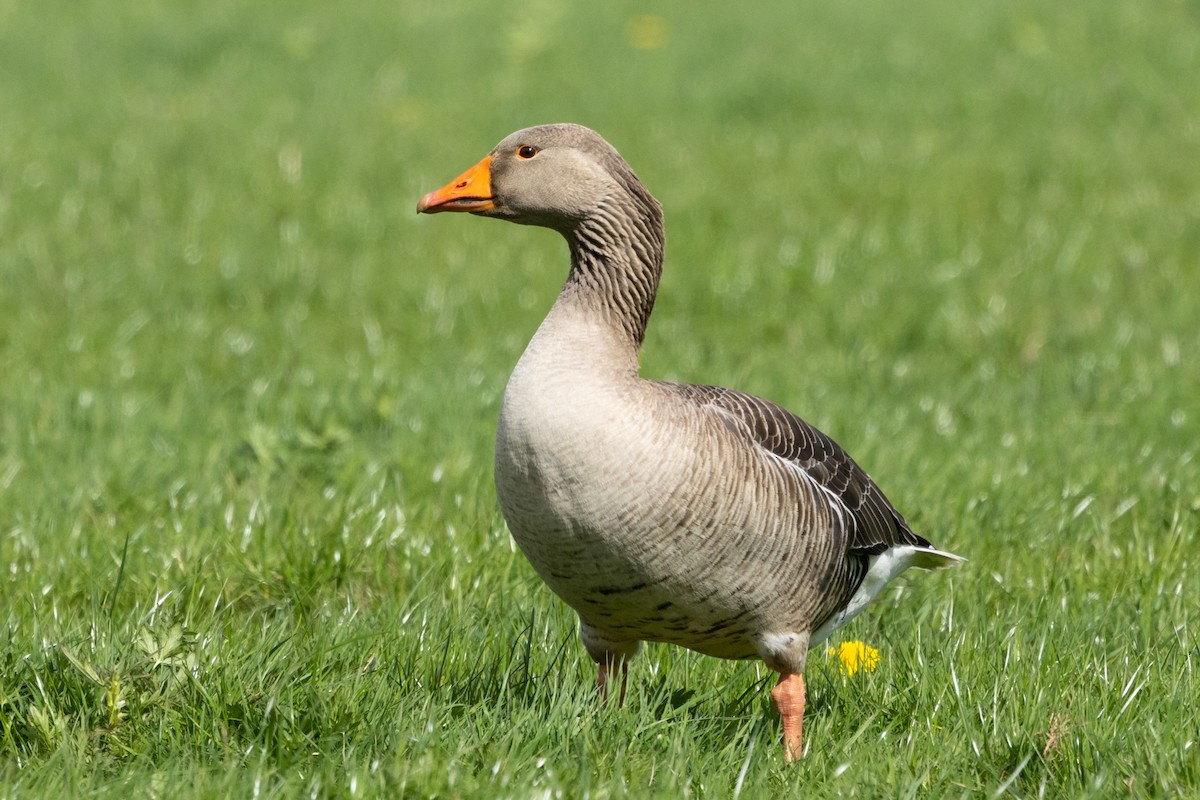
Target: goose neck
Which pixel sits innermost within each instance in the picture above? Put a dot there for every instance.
(616, 263)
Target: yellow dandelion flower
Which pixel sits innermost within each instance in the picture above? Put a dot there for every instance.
(853, 656)
(647, 32)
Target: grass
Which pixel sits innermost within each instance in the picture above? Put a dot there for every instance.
(248, 539)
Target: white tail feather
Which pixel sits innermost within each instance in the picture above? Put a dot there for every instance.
(880, 571)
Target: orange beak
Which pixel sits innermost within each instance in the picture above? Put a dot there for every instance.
(471, 191)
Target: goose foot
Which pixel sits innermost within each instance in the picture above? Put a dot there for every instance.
(788, 696)
(602, 679)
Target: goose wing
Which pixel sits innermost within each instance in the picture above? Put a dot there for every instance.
(877, 524)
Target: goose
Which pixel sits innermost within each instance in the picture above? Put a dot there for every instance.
(665, 512)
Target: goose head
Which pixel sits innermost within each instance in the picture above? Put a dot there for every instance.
(553, 176)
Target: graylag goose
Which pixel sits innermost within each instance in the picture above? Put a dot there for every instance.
(664, 512)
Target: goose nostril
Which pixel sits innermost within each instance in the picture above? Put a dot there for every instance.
(460, 184)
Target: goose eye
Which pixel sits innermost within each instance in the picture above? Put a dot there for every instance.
(526, 151)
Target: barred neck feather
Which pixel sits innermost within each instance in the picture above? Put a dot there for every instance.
(616, 258)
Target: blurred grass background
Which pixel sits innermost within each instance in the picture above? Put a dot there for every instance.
(247, 531)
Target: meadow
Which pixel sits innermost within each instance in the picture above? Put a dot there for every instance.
(249, 543)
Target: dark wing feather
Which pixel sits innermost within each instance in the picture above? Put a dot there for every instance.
(878, 525)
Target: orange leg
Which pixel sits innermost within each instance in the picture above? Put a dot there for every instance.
(788, 696)
(607, 666)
